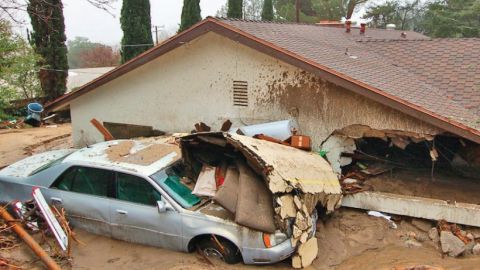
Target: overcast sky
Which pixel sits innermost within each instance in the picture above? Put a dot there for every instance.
(82, 19)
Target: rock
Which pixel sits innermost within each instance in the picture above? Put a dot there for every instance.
(287, 206)
(476, 249)
(296, 262)
(469, 248)
(304, 237)
(412, 243)
(451, 244)
(475, 231)
(411, 235)
(297, 202)
(422, 224)
(421, 238)
(308, 251)
(433, 234)
(470, 236)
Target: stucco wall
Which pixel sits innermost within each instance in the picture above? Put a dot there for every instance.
(194, 83)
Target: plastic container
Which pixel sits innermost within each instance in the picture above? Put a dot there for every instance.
(35, 111)
(281, 130)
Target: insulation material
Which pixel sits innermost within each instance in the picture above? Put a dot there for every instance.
(254, 204)
(206, 185)
(227, 193)
(334, 146)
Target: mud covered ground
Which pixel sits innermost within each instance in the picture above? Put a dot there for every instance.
(348, 239)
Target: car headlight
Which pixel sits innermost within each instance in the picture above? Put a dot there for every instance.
(271, 240)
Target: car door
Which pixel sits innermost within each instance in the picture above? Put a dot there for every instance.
(135, 216)
(84, 193)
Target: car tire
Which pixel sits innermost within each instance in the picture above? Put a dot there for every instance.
(226, 251)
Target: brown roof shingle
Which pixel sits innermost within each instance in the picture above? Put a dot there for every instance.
(366, 61)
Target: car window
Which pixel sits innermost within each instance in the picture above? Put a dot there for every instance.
(136, 189)
(85, 180)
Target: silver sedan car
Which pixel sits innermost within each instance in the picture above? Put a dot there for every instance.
(138, 200)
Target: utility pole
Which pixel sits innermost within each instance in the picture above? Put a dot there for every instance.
(297, 10)
(156, 35)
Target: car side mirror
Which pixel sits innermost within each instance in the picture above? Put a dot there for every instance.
(163, 206)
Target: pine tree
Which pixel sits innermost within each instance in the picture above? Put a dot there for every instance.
(136, 26)
(267, 11)
(190, 14)
(235, 8)
(48, 37)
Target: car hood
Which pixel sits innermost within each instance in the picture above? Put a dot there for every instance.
(25, 167)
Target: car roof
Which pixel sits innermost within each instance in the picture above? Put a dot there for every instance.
(141, 157)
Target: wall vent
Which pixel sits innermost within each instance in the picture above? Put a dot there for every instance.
(240, 93)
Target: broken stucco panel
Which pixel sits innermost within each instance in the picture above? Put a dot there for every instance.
(306, 171)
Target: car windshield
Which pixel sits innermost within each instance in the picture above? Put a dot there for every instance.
(171, 183)
(49, 165)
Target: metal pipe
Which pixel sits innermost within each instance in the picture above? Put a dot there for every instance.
(36, 248)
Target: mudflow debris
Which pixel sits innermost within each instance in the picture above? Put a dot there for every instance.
(266, 186)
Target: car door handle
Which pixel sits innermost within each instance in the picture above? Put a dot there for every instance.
(56, 200)
(122, 212)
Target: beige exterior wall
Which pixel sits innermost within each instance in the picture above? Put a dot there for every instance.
(195, 83)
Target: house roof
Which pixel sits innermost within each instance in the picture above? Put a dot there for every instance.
(80, 76)
(450, 65)
(356, 62)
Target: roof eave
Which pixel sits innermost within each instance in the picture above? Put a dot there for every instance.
(224, 29)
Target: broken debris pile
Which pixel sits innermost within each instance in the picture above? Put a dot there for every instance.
(36, 217)
(266, 186)
(454, 241)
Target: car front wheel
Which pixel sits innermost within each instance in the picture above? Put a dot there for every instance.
(216, 247)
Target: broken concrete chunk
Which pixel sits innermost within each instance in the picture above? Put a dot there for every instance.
(433, 235)
(308, 251)
(476, 249)
(304, 237)
(422, 224)
(296, 262)
(296, 232)
(305, 210)
(287, 206)
(297, 202)
(301, 222)
(412, 243)
(451, 244)
(469, 248)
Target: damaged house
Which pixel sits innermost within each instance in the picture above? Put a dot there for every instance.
(396, 114)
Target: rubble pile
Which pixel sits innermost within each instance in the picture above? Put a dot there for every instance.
(35, 217)
(266, 186)
(454, 241)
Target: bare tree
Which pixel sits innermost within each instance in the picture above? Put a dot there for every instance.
(9, 9)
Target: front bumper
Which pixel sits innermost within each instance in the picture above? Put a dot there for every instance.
(268, 255)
